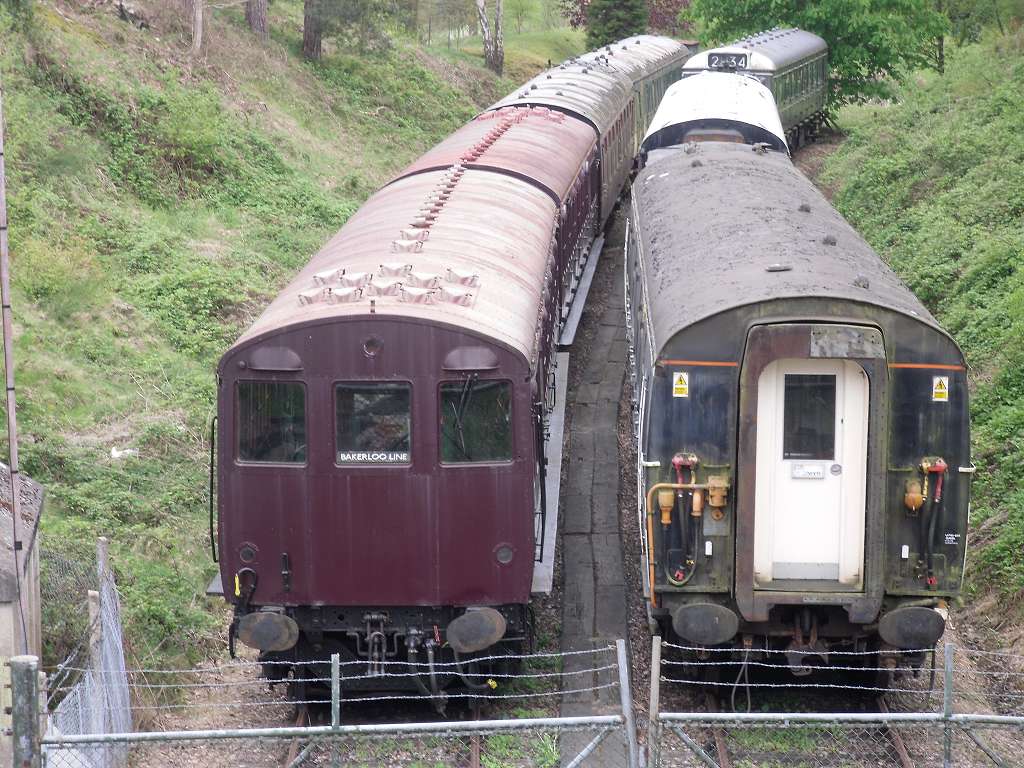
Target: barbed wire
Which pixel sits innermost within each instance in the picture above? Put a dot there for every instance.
(363, 662)
(766, 665)
(703, 649)
(347, 678)
(680, 681)
(1004, 654)
(391, 697)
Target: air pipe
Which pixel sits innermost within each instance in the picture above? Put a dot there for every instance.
(650, 519)
(938, 467)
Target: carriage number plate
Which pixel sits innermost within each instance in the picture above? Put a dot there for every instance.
(727, 60)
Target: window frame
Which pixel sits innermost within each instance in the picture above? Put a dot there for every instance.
(237, 421)
(334, 425)
(512, 426)
(834, 432)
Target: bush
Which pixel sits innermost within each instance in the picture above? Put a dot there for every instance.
(936, 184)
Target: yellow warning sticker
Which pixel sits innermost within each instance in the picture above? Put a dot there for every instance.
(680, 384)
(940, 389)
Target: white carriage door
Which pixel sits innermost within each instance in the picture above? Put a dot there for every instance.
(809, 506)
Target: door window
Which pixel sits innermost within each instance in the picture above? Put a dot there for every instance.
(476, 421)
(271, 419)
(809, 417)
(373, 422)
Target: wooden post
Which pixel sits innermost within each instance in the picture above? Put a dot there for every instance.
(96, 717)
(25, 711)
(102, 560)
(197, 26)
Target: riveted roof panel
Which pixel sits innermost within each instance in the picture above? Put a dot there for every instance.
(536, 143)
(596, 94)
(639, 56)
(458, 247)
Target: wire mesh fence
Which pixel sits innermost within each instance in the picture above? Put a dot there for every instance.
(486, 746)
(839, 744)
(89, 692)
(950, 706)
(228, 714)
(219, 692)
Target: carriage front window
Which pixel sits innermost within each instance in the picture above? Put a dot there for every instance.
(476, 421)
(373, 422)
(809, 416)
(271, 419)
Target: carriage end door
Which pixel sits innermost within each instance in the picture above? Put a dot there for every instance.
(810, 498)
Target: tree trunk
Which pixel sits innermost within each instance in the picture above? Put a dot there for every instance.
(494, 48)
(485, 31)
(999, 20)
(256, 17)
(499, 40)
(312, 30)
(197, 26)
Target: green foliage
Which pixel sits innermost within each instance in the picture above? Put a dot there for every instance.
(20, 10)
(521, 12)
(936, 184)
(871, 42)
(390, 86)
(611, 20)
(969, 18)
(357, 22)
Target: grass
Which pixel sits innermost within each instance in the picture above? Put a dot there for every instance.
(935, 182)
(526, 53)
(156, 205)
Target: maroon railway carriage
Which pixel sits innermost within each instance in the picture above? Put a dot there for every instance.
(381, 426)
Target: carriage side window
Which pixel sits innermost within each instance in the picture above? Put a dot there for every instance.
(476, 421)
(809, 417)
(373, 421)
(271, 421)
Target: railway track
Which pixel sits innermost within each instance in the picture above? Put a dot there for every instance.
(723, 758)
(895, 737)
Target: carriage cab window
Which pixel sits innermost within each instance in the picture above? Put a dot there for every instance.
(271, 422)
(809, 417)
(372, 422)
(476, 421)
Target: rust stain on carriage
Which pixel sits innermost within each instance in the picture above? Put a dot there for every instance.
(933, 366)
(711, 363)
(534, 143)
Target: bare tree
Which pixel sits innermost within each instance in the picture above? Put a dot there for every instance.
(312, 30)
(197, 26)
(494, 45)
(256, 16)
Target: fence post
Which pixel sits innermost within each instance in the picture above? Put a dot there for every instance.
(25, 711)
(947, 708)
(626, 694)
(102, 559)
(653, 724)
(335, 690)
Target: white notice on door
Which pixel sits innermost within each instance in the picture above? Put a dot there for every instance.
(807, 471)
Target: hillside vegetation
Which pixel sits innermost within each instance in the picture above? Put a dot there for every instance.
(935, 182)
(156, 205)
